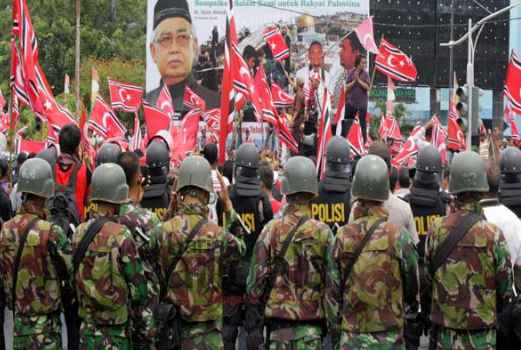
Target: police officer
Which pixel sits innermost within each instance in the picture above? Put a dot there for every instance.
(375, 291)
(333, 203)
(510, 185)
(157, 191)
(209, 256)
(425, 198)
(471, 281)
(287, 275)
(108, 153)
(35, 250)
(254, 209)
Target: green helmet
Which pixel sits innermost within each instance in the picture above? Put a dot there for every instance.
(468, 173)
(109, 184)
(36, 177)
(371, 179)
(195, 171)
(300, 176)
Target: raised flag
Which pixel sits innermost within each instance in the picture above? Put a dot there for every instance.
(439, 138)
(356, 140)
(155, 120)
(392, 62)
(104, 122)
(365, 34)
(275, 41)
(511, 121)
(164, 102)
(513, 83)
(281, 99)
(124, 96)
(137, 139)
(409, 149)
(185, 136)
(324, 129)
(212, 118)
(193, 101)
(28, 146)
(389, 128)
(340, 111)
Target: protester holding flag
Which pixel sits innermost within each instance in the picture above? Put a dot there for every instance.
(173, 50)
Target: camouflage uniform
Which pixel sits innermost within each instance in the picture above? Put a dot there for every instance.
(112, 290)
(294, 306)
(382, 289)
(196, 284)
(141, 222)
(38, 299)
(473, 284)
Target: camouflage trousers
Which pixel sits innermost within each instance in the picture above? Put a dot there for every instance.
(389, 340)
(201, 336)
(303, 337)
(37, 332)
(109, 338)
(450, 339)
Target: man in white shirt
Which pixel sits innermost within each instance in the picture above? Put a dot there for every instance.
(504, 218)
(210, 152)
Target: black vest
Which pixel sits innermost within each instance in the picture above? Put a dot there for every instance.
(157, 197)
(510, 196)
(426, 205)
(333, 204)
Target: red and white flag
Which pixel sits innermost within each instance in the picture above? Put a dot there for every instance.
(185, 136)
(155, 120)
(125, 97)
(392, 62)
(409, 149)
(104, 122)
(2, 101)
(511, 121)
(389, 128)
(136, 142)
(340, 110)
(281, 99)
(28, 146)
(212, 118)
(365, 34)
(164, 102)
(439, 138)
(513, 83)
(276, 43)
(193, 101)
(324, 129)
(356, 140)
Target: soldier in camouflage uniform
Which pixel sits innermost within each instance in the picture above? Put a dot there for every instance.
(369, 308)
(110, 281)
(140, 222)
(286, 292)
(471, 286)
(38, 304)
(206, 265)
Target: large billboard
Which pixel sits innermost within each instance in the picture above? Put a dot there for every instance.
(305, 21)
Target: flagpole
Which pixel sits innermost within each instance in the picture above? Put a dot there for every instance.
(77, 61)
(11, 138)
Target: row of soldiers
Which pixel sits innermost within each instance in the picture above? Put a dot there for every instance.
(191, 283)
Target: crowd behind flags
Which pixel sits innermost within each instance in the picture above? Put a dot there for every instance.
(29, 88)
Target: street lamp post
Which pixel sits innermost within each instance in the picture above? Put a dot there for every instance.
(472, 43)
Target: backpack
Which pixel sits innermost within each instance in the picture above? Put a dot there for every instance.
(62, 205)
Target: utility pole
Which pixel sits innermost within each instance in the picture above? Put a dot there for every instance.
(77, 61)
(451, 51)
(472, 43)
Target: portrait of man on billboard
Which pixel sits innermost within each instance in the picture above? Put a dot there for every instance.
(174, 50)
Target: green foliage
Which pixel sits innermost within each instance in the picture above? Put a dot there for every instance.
(112, 39)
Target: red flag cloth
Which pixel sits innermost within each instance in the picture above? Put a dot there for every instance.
(355, 139)
(155, 120)
(439, 139)
(193, 101)
(276, 43)
(29, 146)
(455, 136)
(4, 122)
(511, 121)
(212, 118)
(408, 150)
(2, 101)
(136, 141)
(324, 130)
(394, 63)
(104, 122)
(281, 99)
(365, 34)
(340, 110)
(125, 97)
(285, 135)
(261, 97)
(389, 128)
(513, 83)
(164, 102)
(185, 136)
